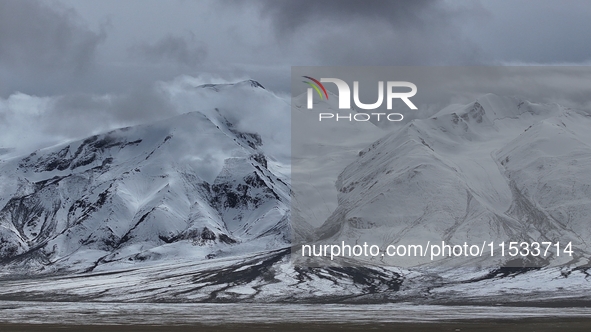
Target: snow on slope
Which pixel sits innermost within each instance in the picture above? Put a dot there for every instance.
(192, 185)
(270, 276)
(262, 276)
(194, 208)
(320, 150)
(470, 173)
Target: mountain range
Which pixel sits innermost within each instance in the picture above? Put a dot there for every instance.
(202, 207)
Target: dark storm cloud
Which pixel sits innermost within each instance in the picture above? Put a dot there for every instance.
(288, 16)
(374, 32)
(172, 49)
(75, 80)
(534, 31)
(38, 40)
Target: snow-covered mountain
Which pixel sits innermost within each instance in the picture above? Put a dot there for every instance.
(197, 207)
(191, 186)
(498, 169)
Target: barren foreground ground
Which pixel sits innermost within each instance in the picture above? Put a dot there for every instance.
(523, 325)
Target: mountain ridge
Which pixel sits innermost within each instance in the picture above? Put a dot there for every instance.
(123, 193)
(445, 178)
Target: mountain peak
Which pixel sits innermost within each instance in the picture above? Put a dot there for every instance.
(491, 111)
(191, 181)
(218, 86)
(252, 83)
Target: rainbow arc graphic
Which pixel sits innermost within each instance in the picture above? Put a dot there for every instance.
(317, 86)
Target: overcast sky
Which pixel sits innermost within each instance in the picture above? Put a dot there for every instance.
(96, 62)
